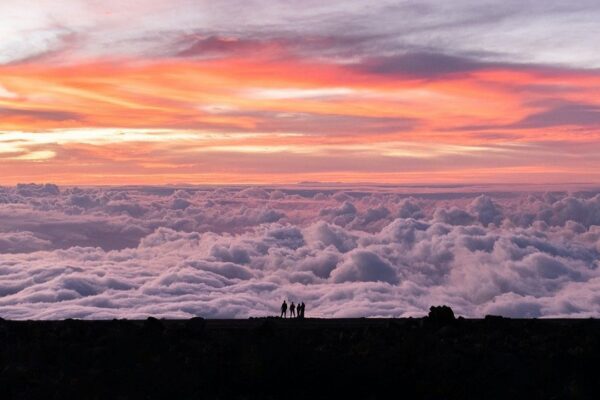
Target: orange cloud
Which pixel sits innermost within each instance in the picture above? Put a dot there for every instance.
(129, 121)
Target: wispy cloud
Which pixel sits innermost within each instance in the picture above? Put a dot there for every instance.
(404, 90)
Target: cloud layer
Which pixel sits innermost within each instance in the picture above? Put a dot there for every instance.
(344, 251)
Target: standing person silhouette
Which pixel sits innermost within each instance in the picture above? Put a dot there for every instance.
(292, 310)
(283, 309)
(302, 309)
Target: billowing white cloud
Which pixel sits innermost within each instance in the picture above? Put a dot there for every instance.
(238, 252)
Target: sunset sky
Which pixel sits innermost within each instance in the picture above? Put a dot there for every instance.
(256, 91)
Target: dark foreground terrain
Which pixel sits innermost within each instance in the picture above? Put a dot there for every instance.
(309, 359)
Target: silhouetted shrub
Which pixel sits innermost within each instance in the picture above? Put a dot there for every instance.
(441, 314)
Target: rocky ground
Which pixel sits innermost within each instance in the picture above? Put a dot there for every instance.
(430, 358)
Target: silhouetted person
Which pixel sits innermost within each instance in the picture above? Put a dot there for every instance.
(302, 306)
(283, 309)
(292, 310)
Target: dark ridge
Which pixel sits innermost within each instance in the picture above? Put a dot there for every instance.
(437, 357)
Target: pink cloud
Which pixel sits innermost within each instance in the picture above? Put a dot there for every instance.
(515, 254)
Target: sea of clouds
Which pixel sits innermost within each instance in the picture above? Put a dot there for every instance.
(224, 252)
